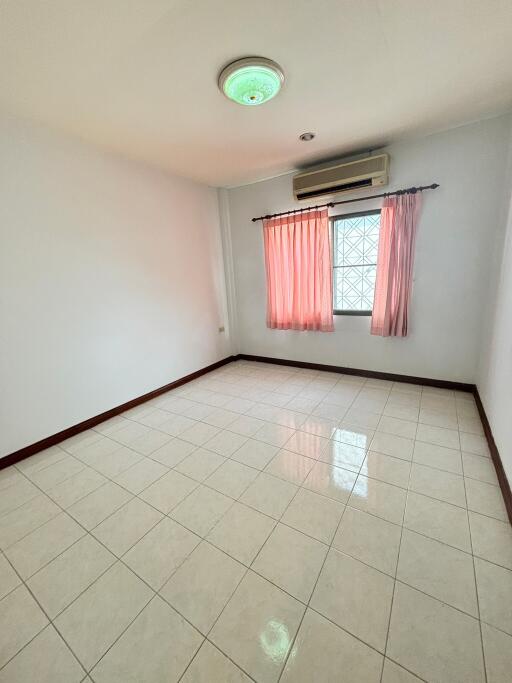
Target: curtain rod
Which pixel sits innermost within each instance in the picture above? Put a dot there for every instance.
(408, 190)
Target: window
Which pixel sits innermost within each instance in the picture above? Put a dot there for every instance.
(355, 244)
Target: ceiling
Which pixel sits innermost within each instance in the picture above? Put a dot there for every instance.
(139, 76)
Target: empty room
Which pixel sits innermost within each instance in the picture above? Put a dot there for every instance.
(255, 341)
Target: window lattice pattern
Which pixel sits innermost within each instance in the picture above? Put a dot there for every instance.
(356, 240)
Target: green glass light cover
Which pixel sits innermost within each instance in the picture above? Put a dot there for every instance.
(251, 81)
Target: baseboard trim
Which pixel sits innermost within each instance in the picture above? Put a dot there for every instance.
(374, 374)
(55, 439)
(495, 456)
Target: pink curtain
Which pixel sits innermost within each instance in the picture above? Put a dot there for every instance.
(395, 262)
(299, 271)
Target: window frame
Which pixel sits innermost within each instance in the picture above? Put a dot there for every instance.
(332, 219)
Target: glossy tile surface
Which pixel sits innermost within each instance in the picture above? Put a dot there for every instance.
(261, 523)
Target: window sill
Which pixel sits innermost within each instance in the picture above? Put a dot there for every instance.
(367, 313)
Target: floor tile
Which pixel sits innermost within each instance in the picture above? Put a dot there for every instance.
(440, 521)
(392, 673)
(79, 441)
(173, 452)
(255, 454)
(390, 444)
(356, 597)
(438, 570)
(330, 481)
(498, 654)
(435, 641)
(203, 584)
(246, 426)
(211, 666)
(269, 495)
(57, 584)
(130, 432)
(314, 515)
(439, 418)
(225, 443)
(42, 459)
(92, 623)
(378, 498)
(40, 547)
(353, 435)
(290, 466)
(486, 499)
(386, 468)
(49, 656)
(401, 411)
(292, 561)
(98, 505)
(479, 468)
(494, 586)
(92, 453)
(201, 510)
(113, 464)
(50, 476)
(447, 459)
(474, 443)
(21, 619)
(273, 434)
(221, 417)
(439, 436)
(176, 425)
(241, 532)
(369, 539)
(306, 444)
(157, 646)
(257, 627)
(324, 652)
(200, 464)
(437, 484)
(393, 425)
(17, 495)
(492, 539)
(76, 487)
(168, 491)
(319, 426)
(343, 455)
(126, 526)
(160, 552)
(21, 521)
(232, 478)
(199, 433)
(9, 580)
(141, 475)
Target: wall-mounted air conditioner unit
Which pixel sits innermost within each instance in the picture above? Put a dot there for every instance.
(354, 175)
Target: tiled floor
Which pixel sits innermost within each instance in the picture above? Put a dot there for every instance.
(262, 523)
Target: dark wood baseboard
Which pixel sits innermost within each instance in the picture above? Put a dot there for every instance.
(495, 455)
(374, 374)
(54, 439)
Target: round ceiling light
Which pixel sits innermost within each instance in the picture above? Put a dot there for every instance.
(306, 137)
(251, 81)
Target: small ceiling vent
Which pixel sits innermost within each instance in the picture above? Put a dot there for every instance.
(354, 175)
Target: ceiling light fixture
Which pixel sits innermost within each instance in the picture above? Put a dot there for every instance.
(306, 137)
(251, 81)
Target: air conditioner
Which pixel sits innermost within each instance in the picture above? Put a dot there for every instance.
(368, 172)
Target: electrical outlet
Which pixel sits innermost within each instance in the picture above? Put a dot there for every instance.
(221, 329)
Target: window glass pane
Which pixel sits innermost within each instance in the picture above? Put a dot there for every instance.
(356, 240)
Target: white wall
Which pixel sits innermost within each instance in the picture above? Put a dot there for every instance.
(495, 373)
(111, 281)
(453, 255)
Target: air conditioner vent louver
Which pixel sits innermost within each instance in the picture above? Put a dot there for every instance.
(368, 172)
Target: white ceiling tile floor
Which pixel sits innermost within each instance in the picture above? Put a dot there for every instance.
(268, 543)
